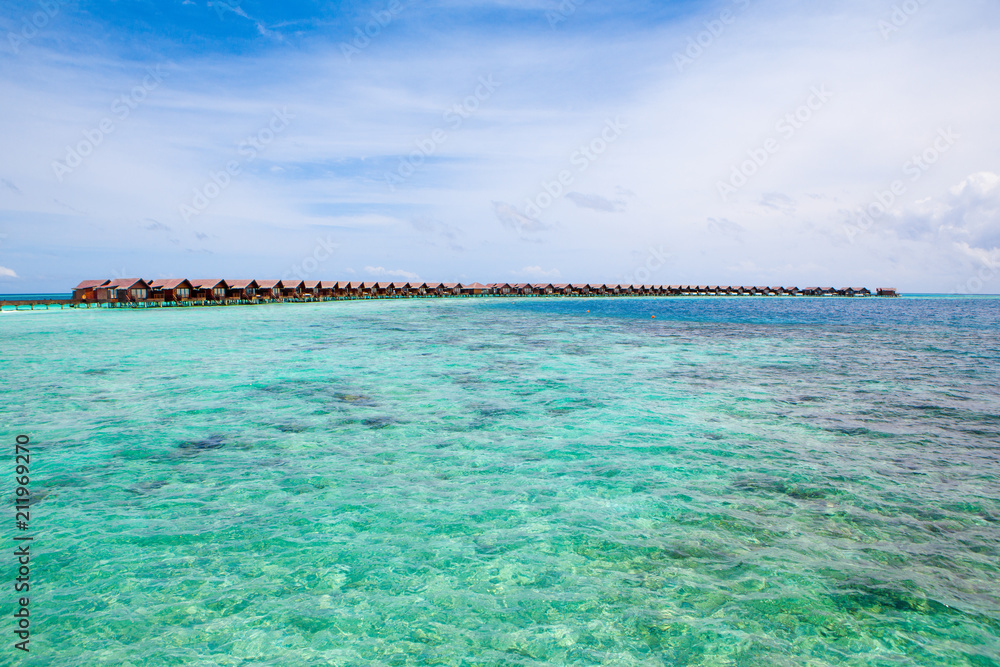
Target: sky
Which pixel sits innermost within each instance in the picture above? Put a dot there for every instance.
(746, 142)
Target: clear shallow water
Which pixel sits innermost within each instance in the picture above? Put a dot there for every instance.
(493, 482)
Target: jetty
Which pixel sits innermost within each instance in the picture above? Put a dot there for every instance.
(184, 292)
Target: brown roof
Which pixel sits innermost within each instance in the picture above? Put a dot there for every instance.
(268, 284)
(240, 284)
(87, 284)
(310, 284)
(168, 283)
(207, 283)
(125, 283)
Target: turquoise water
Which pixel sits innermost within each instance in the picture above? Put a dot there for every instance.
(512, 482)
(36, 297)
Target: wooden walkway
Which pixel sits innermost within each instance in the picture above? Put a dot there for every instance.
(8, 305)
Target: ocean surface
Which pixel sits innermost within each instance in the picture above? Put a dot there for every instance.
(737, 482)
(36, 297)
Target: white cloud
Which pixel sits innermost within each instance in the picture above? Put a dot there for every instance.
(355, 121)
(7, 273)
(397, 273)
(537, 273)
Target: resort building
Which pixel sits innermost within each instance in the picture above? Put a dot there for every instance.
(172, 289)
(85, 291)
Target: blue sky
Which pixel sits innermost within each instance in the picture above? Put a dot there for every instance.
(744, 142)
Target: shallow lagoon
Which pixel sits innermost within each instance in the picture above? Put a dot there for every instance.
(514, 482)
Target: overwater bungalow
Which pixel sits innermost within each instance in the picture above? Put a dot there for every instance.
(854, 291)
(310, 289)
(886, 291)
(241, 290)
(171, 290)
(122, 290)
(268, 289)
(474, 289)
(383, 289)
(208, 289)
(85, 290)
(325, 289)
(291, 288)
